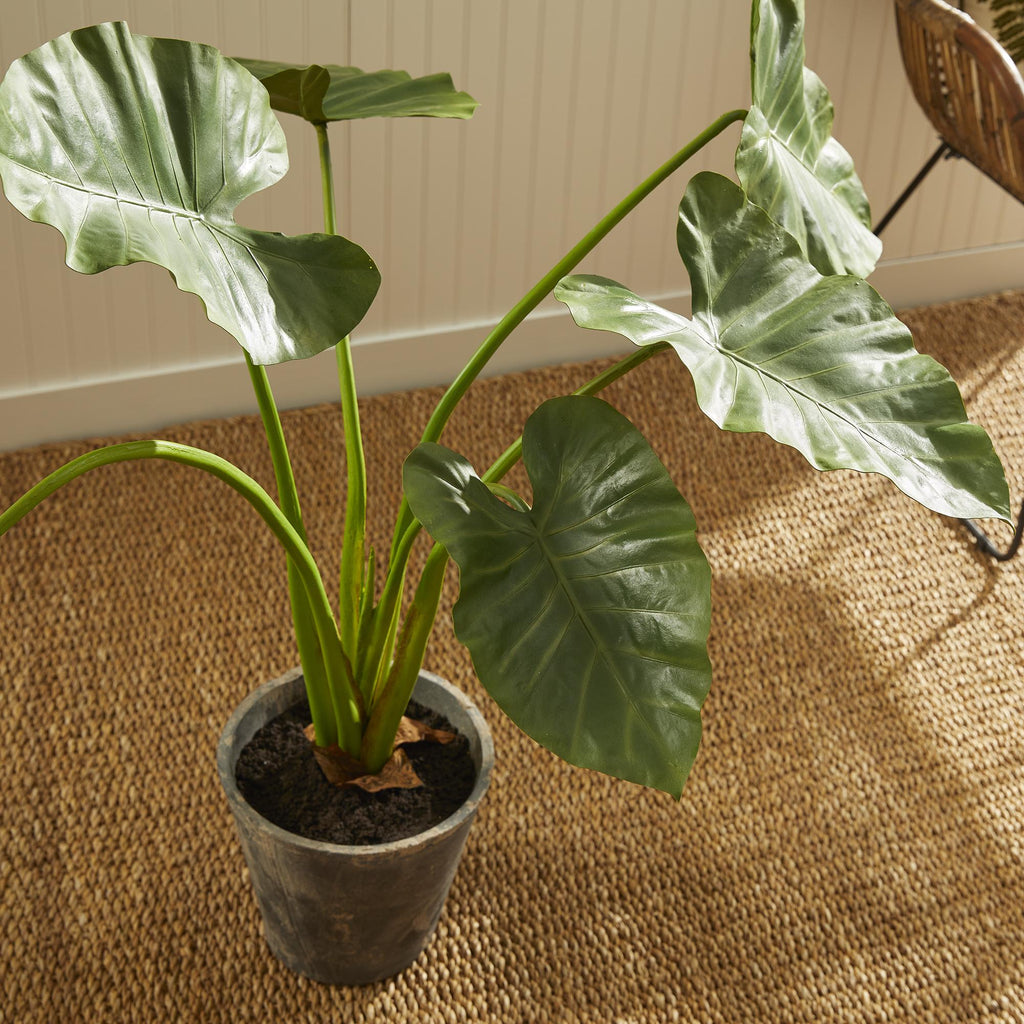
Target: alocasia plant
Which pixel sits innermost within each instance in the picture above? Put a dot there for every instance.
(586, 612)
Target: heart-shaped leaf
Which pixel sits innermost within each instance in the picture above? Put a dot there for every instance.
(587, 616)
(787, 161)
(328, 92)
(819, 363)
(140, 149)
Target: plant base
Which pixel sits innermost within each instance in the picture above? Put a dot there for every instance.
(349, 915)
(283, 782)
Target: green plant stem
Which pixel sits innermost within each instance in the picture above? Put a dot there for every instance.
(311, 657)
(353, 554)
(381, 644)
(351, 723)
(385, 615)
(351, 580)
(323, 142)
(513, 498)
(512, 454)
(379, 738)
(546, 284)
(286, 489)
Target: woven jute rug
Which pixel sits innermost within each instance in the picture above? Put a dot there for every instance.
(850, 846)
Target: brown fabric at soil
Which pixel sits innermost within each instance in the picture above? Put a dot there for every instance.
(342, 769)
(850, 845)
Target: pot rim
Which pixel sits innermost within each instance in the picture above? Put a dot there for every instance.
(227, 756)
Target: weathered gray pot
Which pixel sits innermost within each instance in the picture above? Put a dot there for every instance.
(348, 915)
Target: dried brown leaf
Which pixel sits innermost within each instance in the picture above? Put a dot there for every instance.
(342, 769)
(412, 731)
(397, 773)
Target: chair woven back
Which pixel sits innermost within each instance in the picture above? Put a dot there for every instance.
(968, 87)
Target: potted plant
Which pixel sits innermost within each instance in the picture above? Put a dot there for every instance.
(586, 608)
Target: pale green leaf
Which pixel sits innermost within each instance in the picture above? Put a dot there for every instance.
(328, 92)
(787, 160)
(819, 363)
(140, 149)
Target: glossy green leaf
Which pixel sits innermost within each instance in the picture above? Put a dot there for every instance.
(322, 93)
(140, 149)
(787, 161)
(819, 363)
(587, 616)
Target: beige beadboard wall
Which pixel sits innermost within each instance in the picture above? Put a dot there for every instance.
(579, 100)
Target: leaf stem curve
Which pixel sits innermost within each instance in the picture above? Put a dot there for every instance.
(347, 705)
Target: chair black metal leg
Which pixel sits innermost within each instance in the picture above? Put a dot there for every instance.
(943, 150)
(986, 545)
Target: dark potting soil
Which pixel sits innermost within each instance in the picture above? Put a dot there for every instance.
(278, 776)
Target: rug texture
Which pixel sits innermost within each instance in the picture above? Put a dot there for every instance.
(850, 845)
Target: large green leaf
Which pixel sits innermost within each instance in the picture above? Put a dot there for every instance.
(327, 92)
(140, 149)
(819, 363)
(787, 160)
(587, 616)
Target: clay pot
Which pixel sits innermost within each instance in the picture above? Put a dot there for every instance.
(349, 915)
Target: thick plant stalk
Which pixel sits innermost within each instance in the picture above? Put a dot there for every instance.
(311, 657)
(379, 738)
(385, 616)
(347, 704)
(351, 581)
(383, 637)
(351, 575)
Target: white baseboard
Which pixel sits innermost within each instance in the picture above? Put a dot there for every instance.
(945, 277)
(148, 403)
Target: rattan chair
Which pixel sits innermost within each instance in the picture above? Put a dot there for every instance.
(973, 94)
